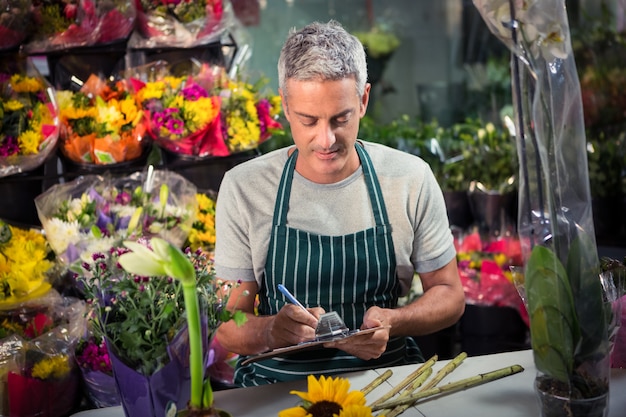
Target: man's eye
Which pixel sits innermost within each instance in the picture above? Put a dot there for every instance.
(308, 122)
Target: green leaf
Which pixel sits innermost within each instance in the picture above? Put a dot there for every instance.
(552, 342)
(553, 323)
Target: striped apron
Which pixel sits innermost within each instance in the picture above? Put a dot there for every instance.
(347, 274)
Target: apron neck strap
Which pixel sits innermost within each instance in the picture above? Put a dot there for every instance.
(371, 180)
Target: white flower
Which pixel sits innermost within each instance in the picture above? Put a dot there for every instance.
(61, 234)
(101, 245)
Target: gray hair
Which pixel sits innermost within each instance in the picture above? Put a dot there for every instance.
(322, 51)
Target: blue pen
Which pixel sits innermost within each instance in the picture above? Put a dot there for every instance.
(292, 299)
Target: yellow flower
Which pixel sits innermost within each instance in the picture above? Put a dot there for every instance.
(328, 397)
(29, 142)
(202, 234)
(24, 84)
(56, 366)
(13, 105)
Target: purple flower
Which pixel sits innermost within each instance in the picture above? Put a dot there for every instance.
(175, 126)
(193, 92)
(9, 146)
(263, 112)
(123, 198)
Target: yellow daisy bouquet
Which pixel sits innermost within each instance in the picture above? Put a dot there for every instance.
(29, 127)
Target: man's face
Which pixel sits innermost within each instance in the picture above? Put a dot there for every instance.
(324, 118)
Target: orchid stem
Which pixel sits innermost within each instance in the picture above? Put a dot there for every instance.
(196, 371)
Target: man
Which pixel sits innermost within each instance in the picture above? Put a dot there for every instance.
(342, 223)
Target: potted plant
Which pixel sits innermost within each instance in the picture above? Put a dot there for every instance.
(568, 315)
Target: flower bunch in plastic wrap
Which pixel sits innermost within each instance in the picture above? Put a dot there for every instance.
(72, 23)
(101, 123)
(37, 371)
(180, 23)
(29, 127)
(249, 117)
(15, 22)
(182, 112)
(202, 234)
(485, 271)
(93, 213)
(25, 264)
(207, 113)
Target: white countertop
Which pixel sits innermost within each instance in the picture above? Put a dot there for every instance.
(511, 396)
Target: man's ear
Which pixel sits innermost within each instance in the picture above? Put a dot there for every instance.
(283, 102)
(365, 98)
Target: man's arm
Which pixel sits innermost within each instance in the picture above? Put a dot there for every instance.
(290, 326)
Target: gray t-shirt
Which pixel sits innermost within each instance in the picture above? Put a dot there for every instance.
(421, 234)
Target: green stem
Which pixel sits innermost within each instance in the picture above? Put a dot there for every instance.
(196, 370)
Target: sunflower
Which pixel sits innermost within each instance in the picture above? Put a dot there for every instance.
(328, 397)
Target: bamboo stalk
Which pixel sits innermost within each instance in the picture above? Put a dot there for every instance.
(451, 387)
(376, 382)
(446, 370)
(408, 391)
(406, 381)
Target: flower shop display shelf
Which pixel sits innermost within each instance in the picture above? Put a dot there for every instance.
(205, 172)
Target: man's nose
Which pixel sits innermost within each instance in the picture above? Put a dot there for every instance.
(326, 135)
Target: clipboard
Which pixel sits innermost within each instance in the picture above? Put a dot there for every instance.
(330, 328)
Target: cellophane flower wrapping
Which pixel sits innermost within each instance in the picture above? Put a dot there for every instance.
(180, 23)
(29, 124)
(94, 362)
(206, 112)
(101, 123)
(555, 222)
(75, 23)
(37, 370)
(15, 21)
(95, 213)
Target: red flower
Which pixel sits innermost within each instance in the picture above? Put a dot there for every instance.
(38, 326)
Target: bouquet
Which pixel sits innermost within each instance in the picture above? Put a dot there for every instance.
(143, 319)
(61, 24)
(37, 338)
(202, 234)
(15, 20)
(25, 264)
(180, 23)
(249, 117)
(485, 271)
(94, 362)
(92, 213)
(29, 126)
(101, 123)
(207, 113)
(183, 115)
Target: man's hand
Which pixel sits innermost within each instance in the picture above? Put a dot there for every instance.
(293, 325)
(370, 345)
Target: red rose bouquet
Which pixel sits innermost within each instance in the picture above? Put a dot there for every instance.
(101, 123)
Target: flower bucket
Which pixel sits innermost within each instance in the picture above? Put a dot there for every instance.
(100, 388)
(50, 398)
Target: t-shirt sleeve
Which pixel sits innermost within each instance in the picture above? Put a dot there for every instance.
(233, 255)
